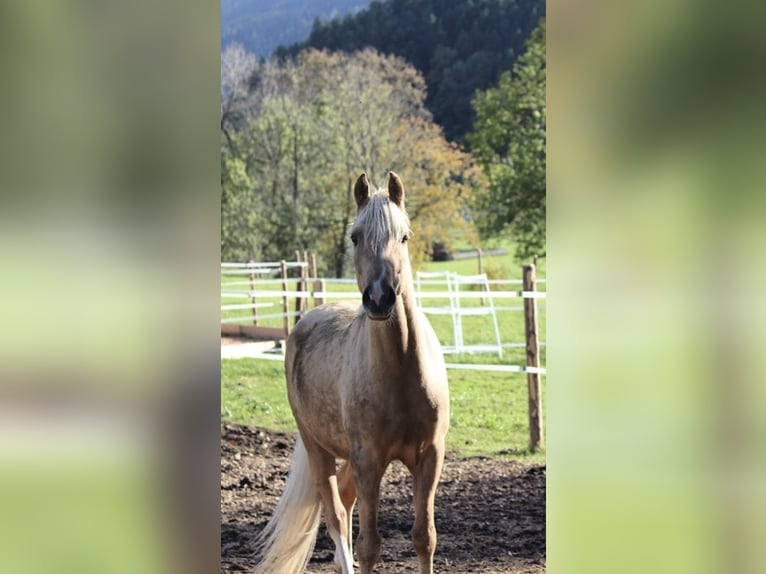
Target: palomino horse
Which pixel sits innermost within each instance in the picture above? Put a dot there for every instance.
(366, 385)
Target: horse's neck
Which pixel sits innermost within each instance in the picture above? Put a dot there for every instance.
(398, 340)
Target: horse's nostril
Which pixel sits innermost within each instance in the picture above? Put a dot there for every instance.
(366, 300)
(389, 297)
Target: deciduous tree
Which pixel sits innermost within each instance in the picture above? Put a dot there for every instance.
(308, 128)
(509, 139)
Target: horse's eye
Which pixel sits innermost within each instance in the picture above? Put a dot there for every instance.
(405, 238)
(354, 239)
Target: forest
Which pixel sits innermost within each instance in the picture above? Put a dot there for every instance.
(297, 129)
(459, 47)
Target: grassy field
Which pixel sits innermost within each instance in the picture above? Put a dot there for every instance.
(488, 410)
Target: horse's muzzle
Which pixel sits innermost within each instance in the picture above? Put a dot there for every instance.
(379, 300)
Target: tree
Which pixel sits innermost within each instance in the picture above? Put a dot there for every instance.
(239, 222)
(508, 139)
(237, 67)
(307, 128)
(271, 135)
(365, 98)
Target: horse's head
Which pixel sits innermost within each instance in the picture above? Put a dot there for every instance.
(380, 235)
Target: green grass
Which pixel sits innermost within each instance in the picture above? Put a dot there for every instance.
(253, 392)
(488, 415)
(505, 264)
(488, 410)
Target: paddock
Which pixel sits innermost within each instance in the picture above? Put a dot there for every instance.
(490, 512)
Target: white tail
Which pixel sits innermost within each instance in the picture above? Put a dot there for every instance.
(286, 542)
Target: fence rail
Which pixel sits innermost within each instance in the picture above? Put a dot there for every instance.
(308, 287)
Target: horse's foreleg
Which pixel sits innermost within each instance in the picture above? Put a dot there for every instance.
(323, 469)
(425, 478)
(348, 498)
(368, 473)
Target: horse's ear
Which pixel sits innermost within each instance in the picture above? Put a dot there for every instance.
(395, 189)
(361, 190)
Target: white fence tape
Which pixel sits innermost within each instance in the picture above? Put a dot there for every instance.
(457, 366)
(247, 306)
(353, 295)
(498, 368)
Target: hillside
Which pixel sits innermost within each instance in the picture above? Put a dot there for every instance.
(459, 47)
(262, 25)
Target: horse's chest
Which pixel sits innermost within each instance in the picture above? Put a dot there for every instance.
(392, 409)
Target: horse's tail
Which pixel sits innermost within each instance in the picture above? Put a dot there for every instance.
(285, 544)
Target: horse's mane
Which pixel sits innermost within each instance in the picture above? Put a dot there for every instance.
(380, 219)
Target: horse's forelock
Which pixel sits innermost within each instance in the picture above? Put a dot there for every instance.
(380, 220)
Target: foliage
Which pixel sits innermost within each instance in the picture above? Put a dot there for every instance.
(509, 139)
(294, 142)
(239, 221)
(459, 47)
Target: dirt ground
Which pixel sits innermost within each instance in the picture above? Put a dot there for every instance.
(490, 514)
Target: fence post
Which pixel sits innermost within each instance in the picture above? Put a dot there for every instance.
(533, 359)
(252, 288)
(318, 283)
(299, 287)
(305, 283)
(481, 271)
(285, 306)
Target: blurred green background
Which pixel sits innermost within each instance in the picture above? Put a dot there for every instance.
(109, 207)
(655, 309)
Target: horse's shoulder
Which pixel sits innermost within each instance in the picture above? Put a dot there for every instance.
(338, 312)
(324, 321)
